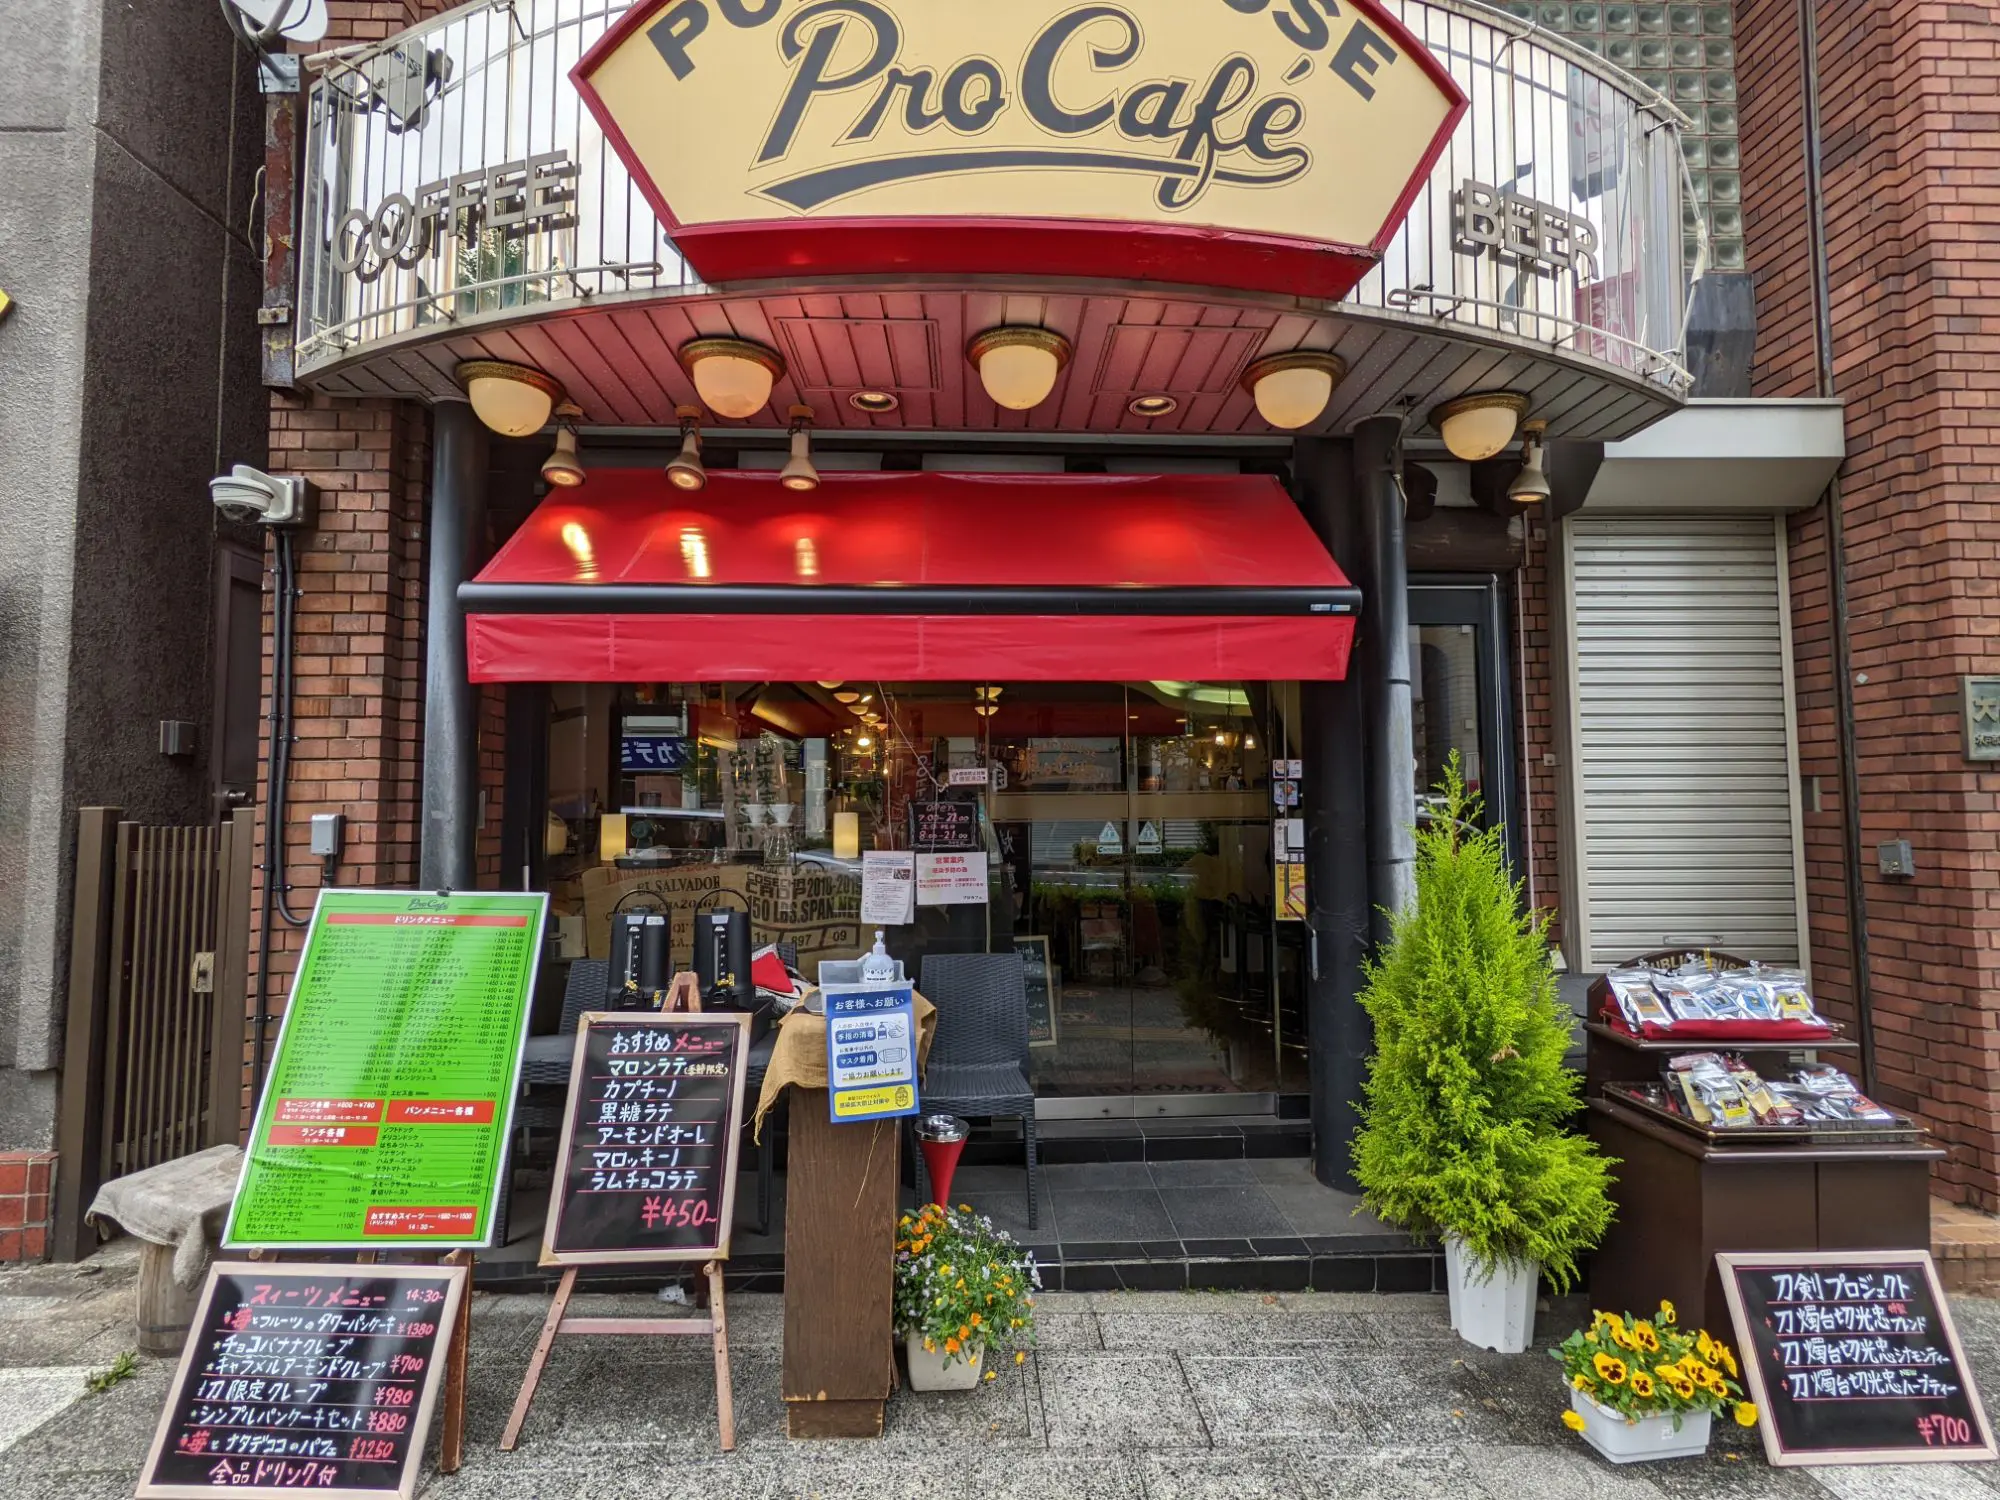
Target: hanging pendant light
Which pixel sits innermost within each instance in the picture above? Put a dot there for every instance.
(687, 472)
(563, 468)
(799, 473)
(1531, 485)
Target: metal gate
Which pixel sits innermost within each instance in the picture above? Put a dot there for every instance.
(153, 1053)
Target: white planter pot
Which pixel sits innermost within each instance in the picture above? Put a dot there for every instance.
(935, 1372)
(1498, 1313)
(1624, 1442)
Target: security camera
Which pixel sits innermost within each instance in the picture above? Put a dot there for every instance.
(247, 494)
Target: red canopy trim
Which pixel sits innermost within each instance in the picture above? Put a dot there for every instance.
(912, 577)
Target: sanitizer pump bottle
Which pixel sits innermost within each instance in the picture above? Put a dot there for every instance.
(878, 967)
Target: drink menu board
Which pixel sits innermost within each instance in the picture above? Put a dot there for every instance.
(306, 1378)
(1851, 1358)
(385, 1116)
(648, 1150)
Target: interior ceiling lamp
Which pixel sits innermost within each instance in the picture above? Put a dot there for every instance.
(687, 472)
(563, 469)
(1531, 485)
(875, 403)
(733, 376)
(1292, 390)
(1019, 366)
(799, 473)
(1478, 427)
(850, 696)
(511, 399)
(1153, 406)
(846, 835)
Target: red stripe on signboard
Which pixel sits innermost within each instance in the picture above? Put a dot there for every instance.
(420, 1222)
(416, 919)
(441, 1112)
(323, 1135)
(329, 1111)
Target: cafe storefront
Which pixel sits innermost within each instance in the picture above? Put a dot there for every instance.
(1086, 449)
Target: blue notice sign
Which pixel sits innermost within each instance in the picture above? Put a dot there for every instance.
(871, 1051)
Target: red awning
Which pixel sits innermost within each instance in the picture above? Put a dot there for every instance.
(912, 577)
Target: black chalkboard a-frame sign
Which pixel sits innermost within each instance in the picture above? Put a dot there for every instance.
(1852, 1358)
(646, 1169)
(302, 1379)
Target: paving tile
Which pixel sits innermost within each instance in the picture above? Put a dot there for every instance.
(1113, 1214)
(1223, 1212)
(1420, 1396)
(1310, 1473)
(1572, 1473)
(1904, 1481)
(1003, 1412)
(1187, 1174)
(1137, 1401)
(85, 1434)
(1065, 1177)
(1312, 1209)
(1263, 1399)
(1732, 1474)
(1275, 1330)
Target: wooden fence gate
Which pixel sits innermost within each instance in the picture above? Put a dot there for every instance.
(153, 1054)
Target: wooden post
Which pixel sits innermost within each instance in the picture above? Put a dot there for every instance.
(457, 1358)
(551, 1326)
(725, 1400)
(80, 1128)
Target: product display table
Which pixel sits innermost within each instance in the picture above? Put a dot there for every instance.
(840, 1242)
(1682, 1199)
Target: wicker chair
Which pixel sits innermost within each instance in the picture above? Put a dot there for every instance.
(978, 1061)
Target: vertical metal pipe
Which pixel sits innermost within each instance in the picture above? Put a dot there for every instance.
(1392, 753)
(456, 538)
(1335, 807)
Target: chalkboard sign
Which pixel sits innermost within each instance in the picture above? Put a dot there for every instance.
(1851, 1358)
(944, 827)
(648, 1152)
(306, 1378)
(1042, 997)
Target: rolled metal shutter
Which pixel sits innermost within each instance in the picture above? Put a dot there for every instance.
(1683, 737)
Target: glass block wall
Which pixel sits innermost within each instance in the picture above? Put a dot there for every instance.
(1688, 53)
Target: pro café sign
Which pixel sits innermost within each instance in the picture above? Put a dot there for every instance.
(1271, 145)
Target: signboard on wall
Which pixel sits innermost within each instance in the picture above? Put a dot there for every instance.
(386, 1115)
(1202, 141)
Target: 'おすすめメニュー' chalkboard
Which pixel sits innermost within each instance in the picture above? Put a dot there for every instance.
(647, 1161)
(302, 1378)
(1851, 1358)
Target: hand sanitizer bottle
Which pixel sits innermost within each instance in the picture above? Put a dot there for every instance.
(878, 967)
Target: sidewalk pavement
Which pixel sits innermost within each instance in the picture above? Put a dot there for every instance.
(1132, 1396)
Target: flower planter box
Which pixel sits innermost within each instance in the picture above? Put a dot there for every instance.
(939, 1372)
(1632, 1442)
(1496, 1314)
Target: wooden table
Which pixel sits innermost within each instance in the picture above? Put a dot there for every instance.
(1682, 1199)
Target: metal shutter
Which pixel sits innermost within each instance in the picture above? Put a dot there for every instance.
(1684, 752)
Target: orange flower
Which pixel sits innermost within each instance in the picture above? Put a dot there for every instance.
(951, 1346)
(975, 1320)
(964, 1332)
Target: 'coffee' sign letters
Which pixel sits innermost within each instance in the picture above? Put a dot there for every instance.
(1274, 140)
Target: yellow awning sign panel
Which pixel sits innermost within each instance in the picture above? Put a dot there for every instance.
(1259, 143)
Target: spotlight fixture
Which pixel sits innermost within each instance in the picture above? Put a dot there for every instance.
(733, 376)
(799, 473)
(1018, 366)
(563, 469)
(1531, 485)
(875, 403)
(986, 710)
(1153, 406)
(990, 694)
(513, 400)
(1480, 426)
(1292, 389)
(687, 472)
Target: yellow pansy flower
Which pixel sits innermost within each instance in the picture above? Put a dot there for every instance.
(1642, 1384)
(1724, 1358)
(1610, 1370)
(1746, 1414)
(1667, 1313)
(1579, 1382)
(1683, 1388)
(1573, 1420)
(1644, 1336)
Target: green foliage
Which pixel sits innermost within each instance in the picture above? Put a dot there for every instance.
(961, 1284)
(1467, 1096)
(124, 1367)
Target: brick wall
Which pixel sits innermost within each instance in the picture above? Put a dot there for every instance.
(1533, 694)
(27, 1192)
(1910, 93)
(358, 655)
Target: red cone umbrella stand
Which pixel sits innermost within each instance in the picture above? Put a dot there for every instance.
(942, 1138)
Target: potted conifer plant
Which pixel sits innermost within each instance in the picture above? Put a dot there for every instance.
(1465, 1122)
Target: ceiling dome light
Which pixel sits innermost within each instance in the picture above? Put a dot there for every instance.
(1531, 485)
(563, 469)
(1292, 390)
(1153, 406)
(687, 472)
(733, 376)
(1477, 427)
(875, 403)
(799, 473)
(511, 399)
(847, 697)
(1018, 366)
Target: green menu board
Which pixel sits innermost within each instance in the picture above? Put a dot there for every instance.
(385, 1117)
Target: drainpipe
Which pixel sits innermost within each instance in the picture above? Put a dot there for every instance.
(1334, 804)
(456, 538)
(1836, 565)
(1392, 753)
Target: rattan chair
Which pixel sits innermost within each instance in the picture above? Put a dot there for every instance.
(978, 1061)
(546, 1059)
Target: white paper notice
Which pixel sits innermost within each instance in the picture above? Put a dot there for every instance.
(888, 888)
(951, 880)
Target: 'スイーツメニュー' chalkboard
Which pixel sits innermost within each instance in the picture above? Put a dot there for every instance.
(647, 1164)
(306, 1378)
(1042, 991)
(1851, 1358)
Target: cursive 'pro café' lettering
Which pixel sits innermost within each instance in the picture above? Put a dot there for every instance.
(846, 60)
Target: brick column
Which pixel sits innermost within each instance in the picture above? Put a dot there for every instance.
(1911, 155)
